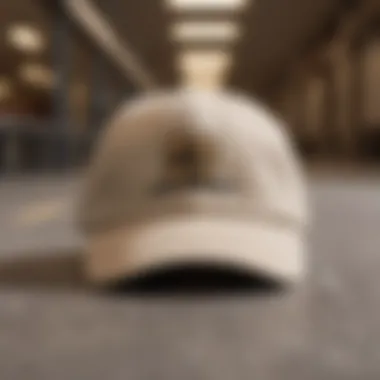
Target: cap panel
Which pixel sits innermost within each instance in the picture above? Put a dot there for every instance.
(125, 162)
(245, 166)
(263, 154)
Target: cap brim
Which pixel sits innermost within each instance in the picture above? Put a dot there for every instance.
(273, 251)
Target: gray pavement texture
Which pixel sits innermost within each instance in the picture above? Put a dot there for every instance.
(53, 327)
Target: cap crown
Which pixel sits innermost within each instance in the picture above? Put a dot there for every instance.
(193, 152)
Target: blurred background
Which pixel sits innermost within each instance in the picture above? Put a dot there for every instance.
(65, 65)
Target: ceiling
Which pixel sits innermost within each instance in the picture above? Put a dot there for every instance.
(274, 35)
(275, 32)
(143, 24)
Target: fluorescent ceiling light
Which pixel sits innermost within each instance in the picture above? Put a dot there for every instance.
(205, 5)
(5, 89)
(207, 81)
(198, 31)
(37, 75)
(204, 60)
(204, 68)
(25, 38)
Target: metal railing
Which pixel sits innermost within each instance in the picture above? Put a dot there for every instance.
(30, 145)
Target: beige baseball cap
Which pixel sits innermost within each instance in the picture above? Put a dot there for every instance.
(194, 177)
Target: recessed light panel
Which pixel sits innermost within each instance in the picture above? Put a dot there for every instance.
(205, 5)
(204, 68)
(25, 38)
(204, 31)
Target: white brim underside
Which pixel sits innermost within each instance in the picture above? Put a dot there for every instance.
(249, 245)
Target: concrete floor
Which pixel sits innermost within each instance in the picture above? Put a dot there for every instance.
(52, 327)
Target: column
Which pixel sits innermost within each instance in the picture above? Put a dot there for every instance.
(61, 152)
(343, 92)
(99, 106)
